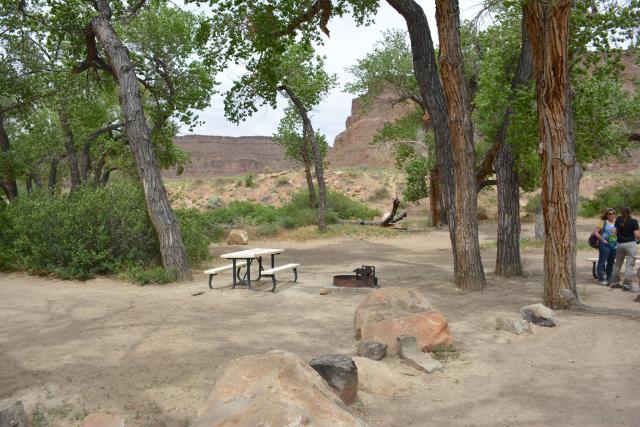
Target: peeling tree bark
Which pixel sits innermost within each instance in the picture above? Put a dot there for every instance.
(548, 28)
(172, 249)
(431, 92)
(508, 261)
(470, 274)
(313, 200)
(8, 181)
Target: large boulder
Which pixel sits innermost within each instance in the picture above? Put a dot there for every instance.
(12, 414)
(379, 379)
(341, 373)
(238, 237)
(539, 314)
(273, 389)
(388, 313)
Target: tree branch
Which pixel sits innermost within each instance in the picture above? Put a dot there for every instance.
(317, 6)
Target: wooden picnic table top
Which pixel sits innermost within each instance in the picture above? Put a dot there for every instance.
(251, 253)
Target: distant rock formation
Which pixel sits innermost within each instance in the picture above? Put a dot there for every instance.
(353, 146)
(227, 156)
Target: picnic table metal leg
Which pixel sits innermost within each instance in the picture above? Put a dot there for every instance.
(260, 268)
(233, 273)
(593, 270)
(249, 273)
(210, 279)
(273, 260)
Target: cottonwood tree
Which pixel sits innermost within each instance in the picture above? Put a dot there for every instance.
(105, 49)
(299, 75)
(290, 134)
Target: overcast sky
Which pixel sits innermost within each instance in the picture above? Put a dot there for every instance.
(346, 45)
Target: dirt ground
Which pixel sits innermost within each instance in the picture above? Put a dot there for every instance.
(150, 353)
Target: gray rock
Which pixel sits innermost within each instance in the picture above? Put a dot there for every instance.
(372, 349)
(408, 351)
(539, 314)
(341, 373)
(516, 326)
(12, 413)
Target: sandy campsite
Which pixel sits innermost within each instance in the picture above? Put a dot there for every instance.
(150, 354)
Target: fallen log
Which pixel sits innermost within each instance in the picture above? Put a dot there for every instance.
(387, 221)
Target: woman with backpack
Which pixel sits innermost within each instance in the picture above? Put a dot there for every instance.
(605, 231)
(627, 231)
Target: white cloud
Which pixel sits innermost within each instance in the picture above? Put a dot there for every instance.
(347, 44)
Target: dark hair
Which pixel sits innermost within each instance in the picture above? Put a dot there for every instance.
(607, 212)
(625, 214)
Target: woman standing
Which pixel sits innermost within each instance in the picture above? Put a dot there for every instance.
(626, 230)
(606, 234)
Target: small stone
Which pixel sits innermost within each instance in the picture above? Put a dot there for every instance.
(325, 291)
(408, 351)
(238, 237)
(341, 373)
(102, 420)
(539, 314)
(516, 326)
(372, 349)
(12, 413)
(637, 299)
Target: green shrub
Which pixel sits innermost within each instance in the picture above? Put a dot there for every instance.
(343, 206)
(214, 203)
(533, 203)
(266, 230)
(282, 181)
(625, 193)
(381, 193)
(197, 232)
(88, 232)
(249, 180)
(144, 276)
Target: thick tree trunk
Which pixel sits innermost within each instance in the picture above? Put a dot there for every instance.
(72, 154)
(313, 200)
(434, 198)
(53, 174)
(426, 71)
(470, 274)
(310, 135)
(508, 261)
(172, 249)
(9, 184)
(547, 25)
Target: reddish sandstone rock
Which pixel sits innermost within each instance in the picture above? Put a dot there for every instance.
(388, 313)
(273, 389)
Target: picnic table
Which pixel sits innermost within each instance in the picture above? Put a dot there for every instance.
(247, 256)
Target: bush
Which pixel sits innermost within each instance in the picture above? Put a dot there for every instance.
(214, 203)
(249, 180)
(88, 232)
(144, 276)
(381, 193)
(197, 232)
(625, 193)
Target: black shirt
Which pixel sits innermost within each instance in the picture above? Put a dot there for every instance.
(625, 231)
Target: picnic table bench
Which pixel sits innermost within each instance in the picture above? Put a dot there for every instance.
(594, 260)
